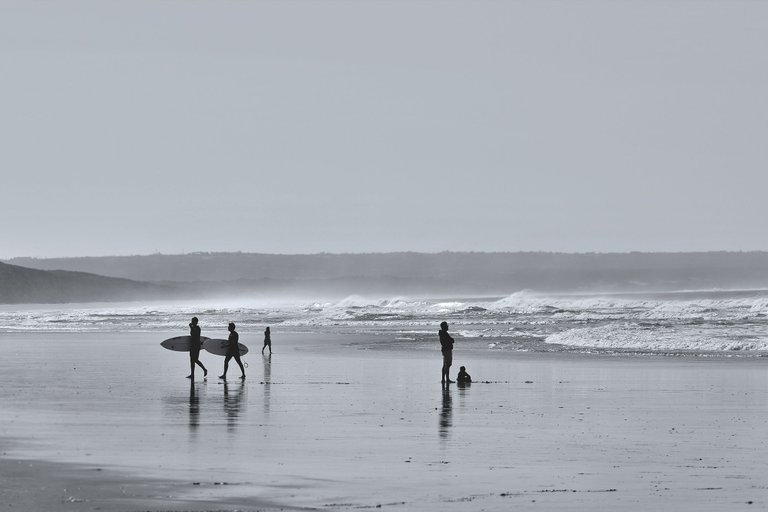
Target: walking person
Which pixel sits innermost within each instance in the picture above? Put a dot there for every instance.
(446, 347)
(233, 351)
(194, 349)
(267, 341)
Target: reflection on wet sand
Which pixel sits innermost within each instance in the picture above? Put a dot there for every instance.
(445, 412)
(232, 403)
(267, 380)
(464, 391)
(194, 407)
(186, 404)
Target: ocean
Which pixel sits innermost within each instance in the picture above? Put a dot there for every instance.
(702, 323)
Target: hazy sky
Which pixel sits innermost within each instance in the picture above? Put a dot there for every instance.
(138, 127)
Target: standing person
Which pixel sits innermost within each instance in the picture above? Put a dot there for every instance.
(267, 341)
(446, 347)
(194, 349)
(233, 351)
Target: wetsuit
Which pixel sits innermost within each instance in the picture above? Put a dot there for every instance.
(194, 344)
(194, 350)
(233, 350)
(446, 346)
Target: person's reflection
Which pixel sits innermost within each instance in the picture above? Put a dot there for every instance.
(267, 380)
(464, 390)
(445, 412)
(194, 407)
(232, 400)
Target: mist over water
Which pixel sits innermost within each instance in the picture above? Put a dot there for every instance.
(719, 322)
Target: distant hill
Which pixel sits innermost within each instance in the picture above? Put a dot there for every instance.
(444, 273)
(26, 285)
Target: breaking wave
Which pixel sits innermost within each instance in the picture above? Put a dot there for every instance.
(712, 321)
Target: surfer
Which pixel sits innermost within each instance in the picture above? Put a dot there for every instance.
(463, 377)
(194, 349)
(233, 351)
(267, 341)
(446, 347)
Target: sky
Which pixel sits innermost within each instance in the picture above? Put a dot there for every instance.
(133, 127)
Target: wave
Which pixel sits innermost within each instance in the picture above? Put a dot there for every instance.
(521, 320)
(598, 308)
(642, 338)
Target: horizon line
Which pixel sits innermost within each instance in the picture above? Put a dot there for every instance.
(385, 253)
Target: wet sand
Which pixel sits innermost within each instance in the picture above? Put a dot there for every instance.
(108, 422)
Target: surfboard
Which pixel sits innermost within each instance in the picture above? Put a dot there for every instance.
(219, 347)
(180, 343)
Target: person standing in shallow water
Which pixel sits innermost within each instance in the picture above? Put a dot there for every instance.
(194, 349)
(446, 347)
(267, 341)
(233, 351)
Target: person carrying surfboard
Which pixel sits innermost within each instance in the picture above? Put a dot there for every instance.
(233, 351)
(194, 349)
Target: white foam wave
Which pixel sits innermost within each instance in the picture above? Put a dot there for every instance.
(600, 308)
(633, 337)
(705, 322)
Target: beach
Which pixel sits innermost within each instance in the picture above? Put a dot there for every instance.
(107, 421)
(572, 187)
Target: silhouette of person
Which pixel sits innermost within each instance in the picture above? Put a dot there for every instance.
(446, 347)
(194, 349)
(233, 351)
(463, 377)
(267, 341)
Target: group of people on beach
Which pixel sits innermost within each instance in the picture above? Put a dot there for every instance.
(233, 352)
(233, 349)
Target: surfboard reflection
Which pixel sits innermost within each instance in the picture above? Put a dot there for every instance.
(233, 399)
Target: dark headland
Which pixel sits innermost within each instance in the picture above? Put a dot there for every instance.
(27, 285)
